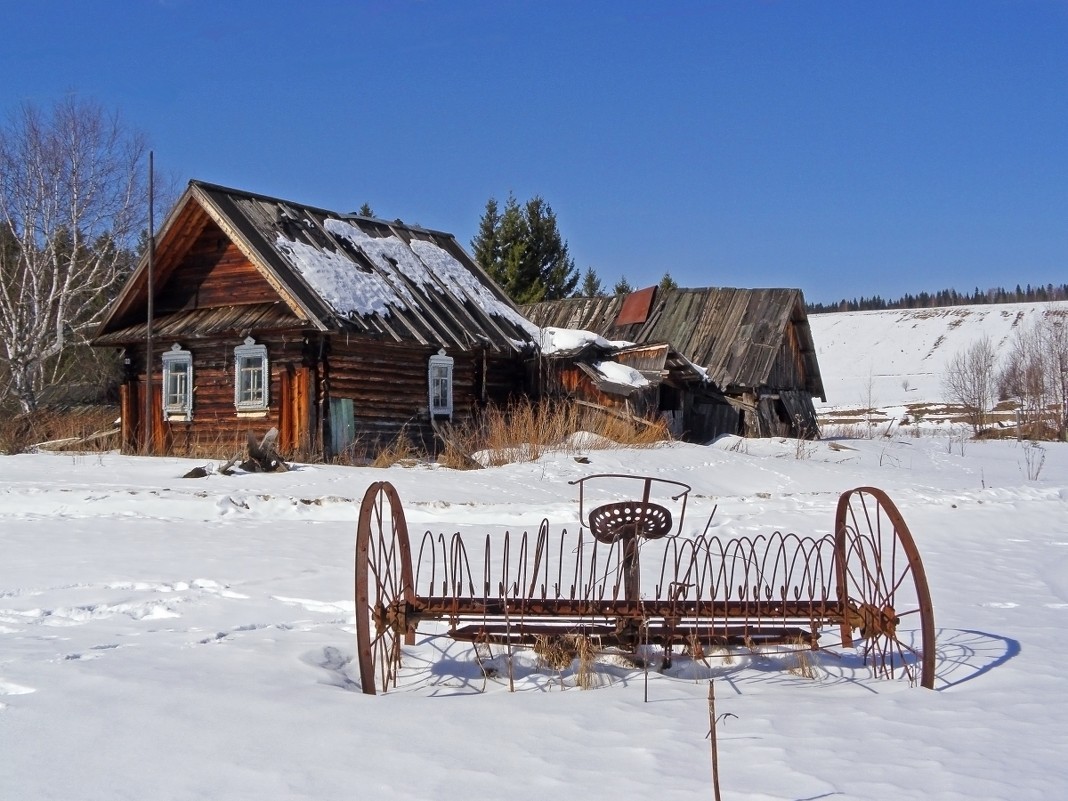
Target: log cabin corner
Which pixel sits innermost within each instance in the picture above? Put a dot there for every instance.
(339, 330)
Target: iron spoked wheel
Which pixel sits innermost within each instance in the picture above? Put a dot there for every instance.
(383, 587)
(883, 588)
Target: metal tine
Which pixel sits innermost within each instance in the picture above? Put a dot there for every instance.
(576, 579)
(539, 550)
(486, 569)
(815, 572)
(803, 587)
(589, 592)
(560, 565)
(520, 574)
(698, 568)
(727, 568)
(598, 580)
(755, 565)
(445, 580)
(502, 585)
(613, 551)
(715, 575)
(523, 568)
(673, 549)
(693, 579)
(460, 567)
(428, 536)
(707, 569)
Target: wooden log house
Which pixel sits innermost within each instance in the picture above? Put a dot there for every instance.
(755, 344)
(341, 331)
(651, 382)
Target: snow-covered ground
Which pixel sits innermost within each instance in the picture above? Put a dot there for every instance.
(169, 638)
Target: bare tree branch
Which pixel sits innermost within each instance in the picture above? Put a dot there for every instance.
(72, 203)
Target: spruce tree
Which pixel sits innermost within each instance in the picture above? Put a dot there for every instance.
(522, 250)
(667, 282)
(622, 286)
(591, 285)
(486, 246)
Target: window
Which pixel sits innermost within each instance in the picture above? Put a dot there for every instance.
(177, 383)
(251, 377)
(440, 378)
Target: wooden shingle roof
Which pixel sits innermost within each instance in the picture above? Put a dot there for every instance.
(736, 334)
(335, 272)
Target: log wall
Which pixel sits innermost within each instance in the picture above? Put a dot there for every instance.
(389, 387)
(215, 426)
(387, 384)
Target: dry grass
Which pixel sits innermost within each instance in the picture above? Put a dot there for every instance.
(400, 451)
(802, 664)
(560, 652)
(83, 429)
(843, 431)
(524, 431)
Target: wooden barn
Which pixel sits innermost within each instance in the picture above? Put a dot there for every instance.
(341, 331)
(636, 382)
(755, 345)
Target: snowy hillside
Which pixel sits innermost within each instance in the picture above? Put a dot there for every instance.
(902, 354)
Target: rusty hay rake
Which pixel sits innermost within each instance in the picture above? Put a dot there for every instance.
(629, 578)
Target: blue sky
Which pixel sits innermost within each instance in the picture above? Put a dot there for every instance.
(845, 148)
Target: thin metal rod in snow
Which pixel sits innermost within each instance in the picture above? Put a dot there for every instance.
(713, 721)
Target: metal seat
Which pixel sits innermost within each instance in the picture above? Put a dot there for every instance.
(612, 521)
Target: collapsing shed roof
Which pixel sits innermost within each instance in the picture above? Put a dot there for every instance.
(339, 272)
(736, 334)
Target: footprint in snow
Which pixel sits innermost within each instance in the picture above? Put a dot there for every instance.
(337, 665)
(222, 636)
(81, 657)
(1000, 605)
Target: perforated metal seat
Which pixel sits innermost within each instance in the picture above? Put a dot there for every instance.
(613, 520)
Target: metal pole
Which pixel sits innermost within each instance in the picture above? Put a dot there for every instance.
(147, 445)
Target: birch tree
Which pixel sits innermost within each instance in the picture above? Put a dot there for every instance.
(970, 380)
(72, 202)
(1036, 374)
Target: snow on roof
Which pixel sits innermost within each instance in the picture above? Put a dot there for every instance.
(620, 374)
(572, 340)
(333, 276)
(351, 290)
(463, 284)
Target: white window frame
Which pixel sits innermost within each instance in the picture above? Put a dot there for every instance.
(439, 376)
(177, 399)
(245, 399)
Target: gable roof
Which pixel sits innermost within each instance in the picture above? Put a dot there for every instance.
(736, 334)
(332, 272)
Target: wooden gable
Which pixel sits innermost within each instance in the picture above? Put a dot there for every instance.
(212, 272)
(205, 282)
